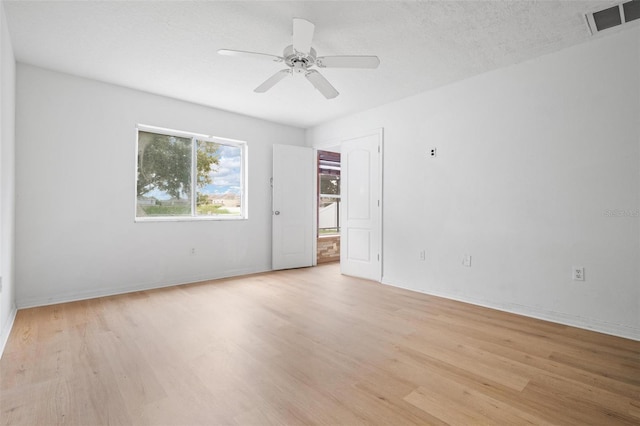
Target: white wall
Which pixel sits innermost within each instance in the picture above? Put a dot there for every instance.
(75, 183)
(7, 181)
(530, 159)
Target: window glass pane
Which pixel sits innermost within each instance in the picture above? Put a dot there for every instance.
(329, 215)
(164, 175)
(219, 189)
(329, 204)
(329, 184)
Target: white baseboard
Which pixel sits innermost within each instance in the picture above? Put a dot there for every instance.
(34, 302)
(613, 329)
(619, 330)
(6, 330)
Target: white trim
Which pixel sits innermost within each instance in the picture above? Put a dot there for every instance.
(591, 25)
(135, 176)
(169, 132)
(623, 18)
(316, 195)
(74, 296)
(6, 331)
(381, 203)
(187, 218)
(186, 134)
(193, 198)
(244, 181)
(599, 326)
(331, 143)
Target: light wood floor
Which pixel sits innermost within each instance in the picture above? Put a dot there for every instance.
(308, 346)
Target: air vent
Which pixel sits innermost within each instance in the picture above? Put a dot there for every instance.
(631, 10)
(607, 18)
(614, 16)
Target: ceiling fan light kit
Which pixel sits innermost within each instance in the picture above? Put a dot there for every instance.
(300, 57)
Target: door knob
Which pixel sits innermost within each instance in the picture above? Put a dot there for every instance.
(276, 212)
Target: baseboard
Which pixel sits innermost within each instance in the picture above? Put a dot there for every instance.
(619, 330)
(6, 330)
(114, 291)
(599, 326)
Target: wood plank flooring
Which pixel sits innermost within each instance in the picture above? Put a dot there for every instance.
(308, 346)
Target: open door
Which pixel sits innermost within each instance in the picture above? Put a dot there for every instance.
(292, 209)
(361, 189)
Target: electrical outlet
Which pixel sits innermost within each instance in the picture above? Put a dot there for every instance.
(423, 255)
(578, 273)
(193, 251)
(466, 260)
(432, 152)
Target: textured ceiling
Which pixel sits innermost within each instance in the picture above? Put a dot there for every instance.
(169, 48)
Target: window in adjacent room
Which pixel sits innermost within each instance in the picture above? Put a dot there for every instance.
(186, 176)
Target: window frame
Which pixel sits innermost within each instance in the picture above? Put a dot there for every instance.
(242, 145)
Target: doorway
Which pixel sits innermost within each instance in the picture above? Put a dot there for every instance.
(353, 202)
(328, 214)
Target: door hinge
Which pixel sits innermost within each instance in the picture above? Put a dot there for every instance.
(378, 203)
(378, 149)
(378, 257)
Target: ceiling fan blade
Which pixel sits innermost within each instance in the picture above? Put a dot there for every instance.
(254, 55)
(302, 35)
(272, 81)
(322, 84)
(347, 62)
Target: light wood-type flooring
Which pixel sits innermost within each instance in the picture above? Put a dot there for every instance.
(308, 346)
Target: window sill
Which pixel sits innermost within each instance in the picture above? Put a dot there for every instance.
(188, 219)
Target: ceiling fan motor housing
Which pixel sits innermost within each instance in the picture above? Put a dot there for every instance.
(299, 61)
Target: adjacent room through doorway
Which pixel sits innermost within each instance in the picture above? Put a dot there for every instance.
(328, 235)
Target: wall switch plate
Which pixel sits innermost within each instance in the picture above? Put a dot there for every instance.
(432, 152)
(466, 260)
(423, 255)
(578, 273)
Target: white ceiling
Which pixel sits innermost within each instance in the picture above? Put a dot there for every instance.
(169, 48)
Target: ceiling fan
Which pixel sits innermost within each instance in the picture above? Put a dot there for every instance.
(300, 57)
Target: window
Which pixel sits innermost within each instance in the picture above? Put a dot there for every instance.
(185, 176)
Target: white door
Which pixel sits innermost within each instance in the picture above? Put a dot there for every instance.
(361, 189)
(292, 208)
